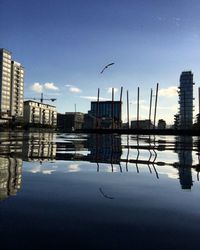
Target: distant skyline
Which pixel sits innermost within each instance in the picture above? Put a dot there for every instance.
(64, 45)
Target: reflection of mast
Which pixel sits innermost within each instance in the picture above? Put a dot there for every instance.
(127, 153)
(149, 155)
(153, 164)
(137, 154)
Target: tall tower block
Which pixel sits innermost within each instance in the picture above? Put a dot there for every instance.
(186, 100)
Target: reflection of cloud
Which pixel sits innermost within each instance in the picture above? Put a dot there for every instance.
(73, 89)
(93, 98)
(168, 92)
(74, 167)
(35, 169)
(48, 171)
(41, 169)
(173, 176)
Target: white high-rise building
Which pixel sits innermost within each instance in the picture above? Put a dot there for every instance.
(17, 89)
(11, 86)
(5, 83)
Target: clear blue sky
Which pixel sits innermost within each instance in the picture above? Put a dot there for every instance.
(65, 42)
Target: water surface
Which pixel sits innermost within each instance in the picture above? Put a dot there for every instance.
(78, 191)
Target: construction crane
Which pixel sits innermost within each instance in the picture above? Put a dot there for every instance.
(43, 99)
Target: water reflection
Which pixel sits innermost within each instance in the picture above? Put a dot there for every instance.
(156, 155)
(39, 147)
(10, 176)
(132, 185)
(184, 146)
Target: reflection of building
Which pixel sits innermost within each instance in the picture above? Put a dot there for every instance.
(11, 143)
(40, 113)
(186, 100)
(11, 86)
(70, 121)
(107, 112)
(39, 147)
(141, 124)
(105, 148)
(10, 176)
(184, 149)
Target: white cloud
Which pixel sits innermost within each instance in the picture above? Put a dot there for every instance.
(93, 98)
(50, 86)
(109, 90)
(73, 89)
(37, 87)
(168, 92)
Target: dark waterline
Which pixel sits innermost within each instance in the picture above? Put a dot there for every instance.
(77, 191)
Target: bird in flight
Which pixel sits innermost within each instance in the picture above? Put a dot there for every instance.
(110, 64)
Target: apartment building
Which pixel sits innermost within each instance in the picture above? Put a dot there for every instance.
(17, 89)
(39, 113)
(5, 83)
(11, 86)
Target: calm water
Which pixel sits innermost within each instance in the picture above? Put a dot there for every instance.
(64, 191)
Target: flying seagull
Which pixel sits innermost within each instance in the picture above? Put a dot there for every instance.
(110, 64)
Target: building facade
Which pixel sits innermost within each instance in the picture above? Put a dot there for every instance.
(17, 89)
(141, 124)
(5, 83)
(40, 113)
(107, 113)
(11, 86)
(70, 121)
(186, 100)
(161, 124)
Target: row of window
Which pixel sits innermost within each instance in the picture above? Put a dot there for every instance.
(6, 69)
(6, 87)
(6, 55)
(5, 78)
(7, 63)
(6, 74)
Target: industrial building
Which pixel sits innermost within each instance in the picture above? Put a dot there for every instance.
(141, 124)
(70, 121)
(107, 113)
(40, 113)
